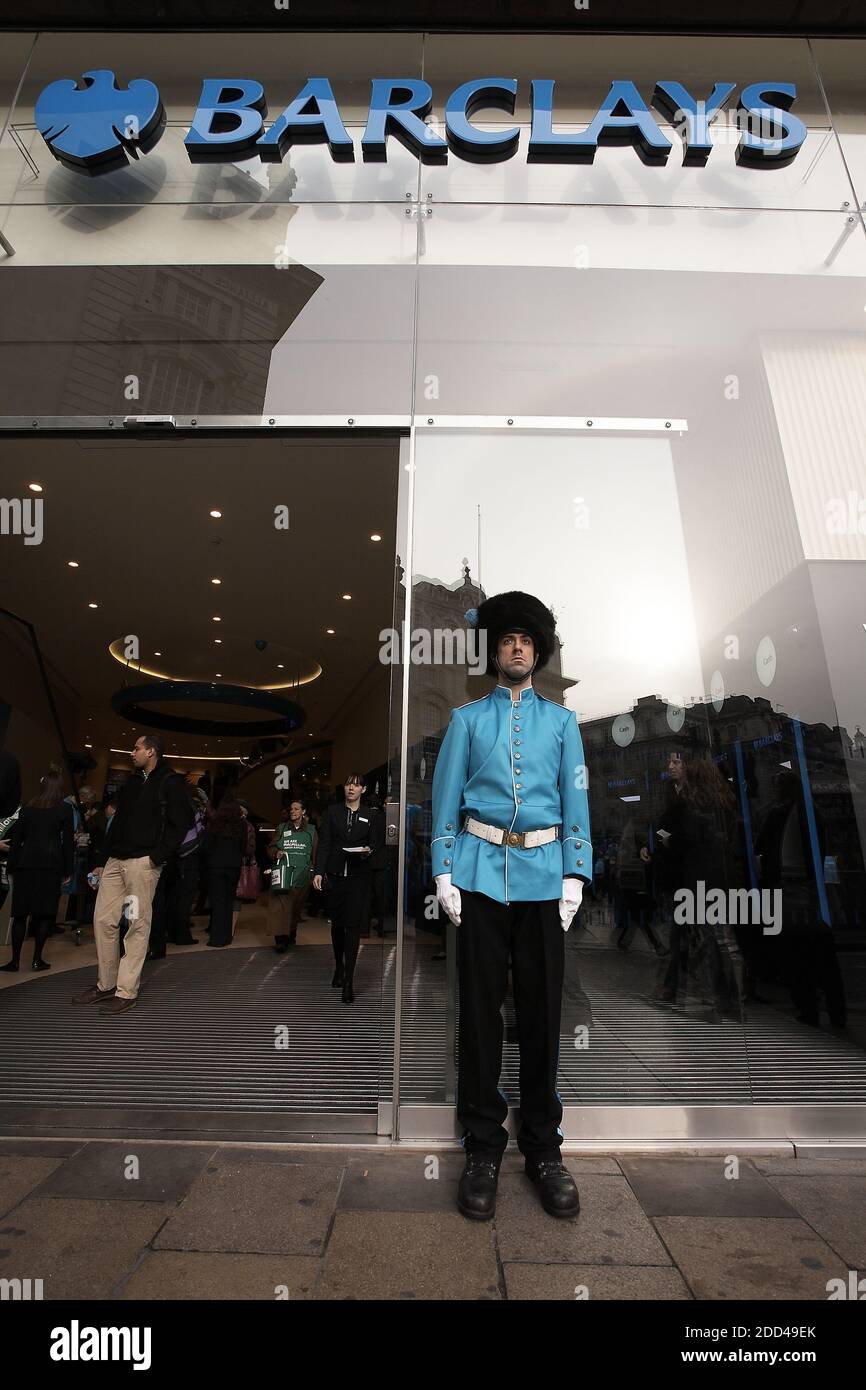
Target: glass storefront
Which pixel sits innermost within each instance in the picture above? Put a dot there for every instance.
(635, 390)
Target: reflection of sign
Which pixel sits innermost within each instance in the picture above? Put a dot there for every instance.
(622, 730)
(94, 125)
(765, 660)
(766, 741)
(85, 126)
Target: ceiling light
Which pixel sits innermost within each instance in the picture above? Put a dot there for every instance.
(216, 581)
(280, 666)
(375, 536)
(157, 653)
(35, 487)
(330, 630)
(217, 620)
(218, 641)
(219, 673)
(216, 512)
(93, 605)
(73, 564)
(347, 596)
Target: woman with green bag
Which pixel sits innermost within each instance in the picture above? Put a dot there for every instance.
(293, 850)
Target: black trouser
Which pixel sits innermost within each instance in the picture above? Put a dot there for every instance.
(221, 890)
(349, 897)
(182, 888)
(41, 931)
(531, 934)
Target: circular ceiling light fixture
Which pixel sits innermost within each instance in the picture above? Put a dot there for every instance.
(135, 701)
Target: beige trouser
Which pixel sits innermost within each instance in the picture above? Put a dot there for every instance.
(129, 884)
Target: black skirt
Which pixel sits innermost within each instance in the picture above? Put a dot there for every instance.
(35, 892)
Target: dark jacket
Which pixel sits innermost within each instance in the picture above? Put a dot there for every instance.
(152, 817)
(226, 851)
(342, 828)
(43, 839)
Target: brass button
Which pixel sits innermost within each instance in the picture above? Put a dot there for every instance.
(446, 861)
(518, 785)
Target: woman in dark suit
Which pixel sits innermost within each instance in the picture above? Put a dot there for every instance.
(224, 844)
(41, 859)
(351, 834)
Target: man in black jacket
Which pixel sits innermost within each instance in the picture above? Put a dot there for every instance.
(153, 815)
(350, 835)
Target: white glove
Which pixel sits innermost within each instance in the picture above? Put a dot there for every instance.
(449, 897)
(572, 892)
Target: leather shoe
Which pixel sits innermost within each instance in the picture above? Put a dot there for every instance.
(348, 993)
(556, 1187)
(117, 1005)
(476, 1192)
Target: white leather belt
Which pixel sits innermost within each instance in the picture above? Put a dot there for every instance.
(514, 839)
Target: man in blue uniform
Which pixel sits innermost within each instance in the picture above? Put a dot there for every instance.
(511, 851)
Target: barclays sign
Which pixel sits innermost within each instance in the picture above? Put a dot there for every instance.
(96, 125)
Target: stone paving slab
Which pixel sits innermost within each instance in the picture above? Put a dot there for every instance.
(750, 1257)
(129, 1172)
(611, 1228)
(173, 1274)
(811, 1167)
(401, 1256)
(78, 1248)
(256, 1208)
(835, 1208)
(700, 1187)
(19, 1175)
(41, 1148)
(573, 1283)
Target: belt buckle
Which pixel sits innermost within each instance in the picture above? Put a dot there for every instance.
(514, 838)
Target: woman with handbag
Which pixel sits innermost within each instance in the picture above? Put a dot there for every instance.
(225, 845)
(250, 879)
(41, 860)
(293, 850)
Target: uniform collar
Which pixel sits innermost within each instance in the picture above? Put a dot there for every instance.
(502, 692)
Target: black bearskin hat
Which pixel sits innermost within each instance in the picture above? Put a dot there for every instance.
(517, 612)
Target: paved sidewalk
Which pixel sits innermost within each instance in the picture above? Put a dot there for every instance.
(135, 1220)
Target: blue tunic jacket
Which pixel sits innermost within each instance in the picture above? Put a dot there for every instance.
(515, 762)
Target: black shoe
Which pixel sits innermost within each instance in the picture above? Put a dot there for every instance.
(11, 967)
(556, 1187)
(348, 993)
(476, 1192)
(281, 944)
(40, 965)
(338, 978)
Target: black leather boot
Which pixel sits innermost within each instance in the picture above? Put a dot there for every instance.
(556, 1187)
(476, 1192)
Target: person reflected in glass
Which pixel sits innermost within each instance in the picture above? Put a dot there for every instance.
(700, 832)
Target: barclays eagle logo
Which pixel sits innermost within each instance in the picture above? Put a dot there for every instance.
(96, 125)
